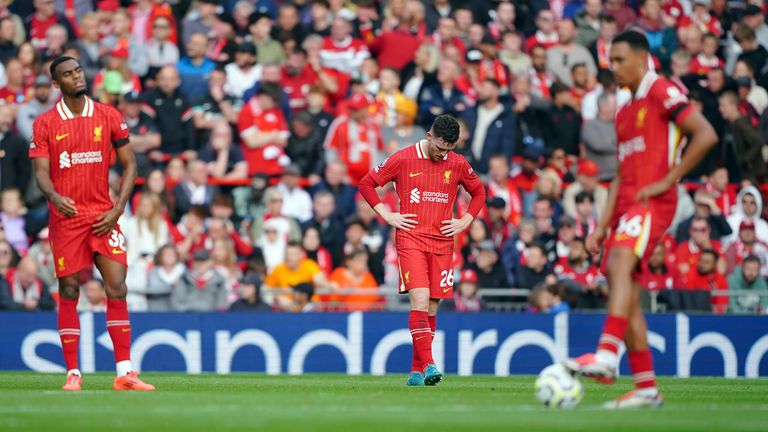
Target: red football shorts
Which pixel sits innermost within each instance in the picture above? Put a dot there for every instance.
(639, 228)
(419, 269)
(74, 247)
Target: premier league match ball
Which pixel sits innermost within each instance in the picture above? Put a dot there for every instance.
(557, 388)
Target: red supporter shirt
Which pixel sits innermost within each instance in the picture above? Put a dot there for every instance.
(588, 276)
(689, 253)
(649, 141)
(511, 196)
(297, 87)
(427, 189)
(80, 149)
(37, 30)
(355, 143)
(253, 120)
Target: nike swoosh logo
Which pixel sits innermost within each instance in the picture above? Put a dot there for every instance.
(117, 252)
(125, 330)
(445, 290)
(420, 337)
(61, 137)
(68, 341)
(416, 174)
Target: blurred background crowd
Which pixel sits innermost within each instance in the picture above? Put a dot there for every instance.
(253, 120)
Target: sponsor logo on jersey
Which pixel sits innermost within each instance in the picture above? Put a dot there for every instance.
(61, 137)
(415, 174)
(628, 148)
(97, 134)
(66, 159)
(674, 97)
(123, 126)
(415, 196)
(447, 176)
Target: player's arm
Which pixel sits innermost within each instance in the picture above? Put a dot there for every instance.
(64, 205)
(476, 190)
(106, 222)
(595, 239)
(380, 176)
(703, 138)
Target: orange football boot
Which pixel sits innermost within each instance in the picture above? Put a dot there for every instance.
(74, 382)
(131, 382)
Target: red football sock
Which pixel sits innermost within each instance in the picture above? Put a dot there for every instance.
(421, 334)
(613, 333)
(641, 365)
(69, 331)
(119, 329)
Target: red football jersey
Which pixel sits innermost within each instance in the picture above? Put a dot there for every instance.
(427, 189)
(80, 150)
(253, 120)
(649, 140)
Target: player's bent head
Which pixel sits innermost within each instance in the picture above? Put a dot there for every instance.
(65, 72)
(446, 128)
(636, 40)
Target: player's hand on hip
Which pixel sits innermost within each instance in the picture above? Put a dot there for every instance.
(405, 222)
(654, 189)
(64, 205)
(594, 241)
(451, 227)
(106, 222)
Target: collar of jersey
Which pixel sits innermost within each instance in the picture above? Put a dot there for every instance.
(66, 114)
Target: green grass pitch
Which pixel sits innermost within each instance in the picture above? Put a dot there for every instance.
(30, 401)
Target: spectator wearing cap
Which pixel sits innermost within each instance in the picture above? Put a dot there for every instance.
(565, 122)
(36, 25)
(195, 68)
(561, 58)
(747, 277)
(354, 138)
(498, 222)
(492, 126)
(744, 141)
(491, 66)
(534, 268)
(465, 297)
(746, 244)
(244, 72)
(143, 131)
(122, 39)
(404, 132)
(598, 138)
(202, 288)
(15, 166)
(172, 115)
(587, 180)
(546, 33)
(501, 186)
(487, 265)
(24, 291)
(297, 202)
(268, 50)
(264, 131)
(305, 146)
(300, 73)
(250, 296)
(302, 299)
(161, 51)
(442, 97)
(224, 158)
(341, 51)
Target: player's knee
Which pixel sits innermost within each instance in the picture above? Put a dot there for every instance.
(117, 291)
(622, 262)
(69, 290)
(419, 299)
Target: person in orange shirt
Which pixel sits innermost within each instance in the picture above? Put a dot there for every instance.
(296, 269)
(355, 275)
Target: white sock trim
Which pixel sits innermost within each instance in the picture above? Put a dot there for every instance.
(123, 367)
(74, 372)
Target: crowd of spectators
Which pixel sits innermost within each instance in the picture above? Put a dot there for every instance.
(253, 120)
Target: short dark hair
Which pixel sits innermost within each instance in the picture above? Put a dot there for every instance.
(56, 62)
(584, 195)
(607, 19)
(447, 128)
(538, 246)
(578, 65)
(710, 252)
(636, 41)
(557, 87)
(294, 243)
(752, 259)
(493, 81)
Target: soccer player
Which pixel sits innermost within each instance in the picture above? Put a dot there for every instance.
(641, 205)
(71, 148)
(426, 176)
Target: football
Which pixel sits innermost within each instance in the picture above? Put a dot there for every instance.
(556, 388)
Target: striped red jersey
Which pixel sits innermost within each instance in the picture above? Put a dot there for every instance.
(80, 151)
(427, 189)
(649, 139)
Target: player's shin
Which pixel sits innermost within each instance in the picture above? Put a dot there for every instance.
(641, 365)
(119, 328)
(421, 334)
(69, 331)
